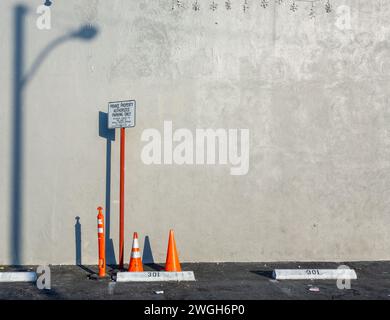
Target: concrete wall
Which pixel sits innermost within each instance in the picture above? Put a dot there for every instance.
(314, 96)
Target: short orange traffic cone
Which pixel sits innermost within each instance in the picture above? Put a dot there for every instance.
(135, 264)
(172, 263)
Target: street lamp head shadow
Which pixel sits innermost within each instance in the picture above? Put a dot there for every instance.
(86, 32)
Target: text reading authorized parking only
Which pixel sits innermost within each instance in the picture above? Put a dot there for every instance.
(121, 114)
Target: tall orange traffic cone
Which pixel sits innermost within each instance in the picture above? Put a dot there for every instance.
(101, 244)
(135, 264)
(172, 263)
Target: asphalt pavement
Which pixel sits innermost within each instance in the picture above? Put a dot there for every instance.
(214, 281)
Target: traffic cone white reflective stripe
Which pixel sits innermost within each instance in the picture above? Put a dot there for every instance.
(100, 222)
(136, 254)
(135, 241)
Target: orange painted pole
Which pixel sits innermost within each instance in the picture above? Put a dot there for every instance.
(101, 243)
(122, 199)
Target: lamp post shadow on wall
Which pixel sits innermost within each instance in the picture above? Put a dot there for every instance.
(109, 135)
(20, 81)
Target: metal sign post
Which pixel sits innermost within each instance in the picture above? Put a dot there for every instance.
(121, 114)
(122, 199)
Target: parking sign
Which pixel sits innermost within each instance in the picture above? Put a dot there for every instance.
(121, 114)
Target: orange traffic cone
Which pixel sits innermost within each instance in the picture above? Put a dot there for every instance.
(135, 264)
(172, 263)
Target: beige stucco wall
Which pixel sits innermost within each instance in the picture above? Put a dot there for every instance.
(314, 97)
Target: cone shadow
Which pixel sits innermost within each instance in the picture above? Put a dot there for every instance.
(147, 256)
